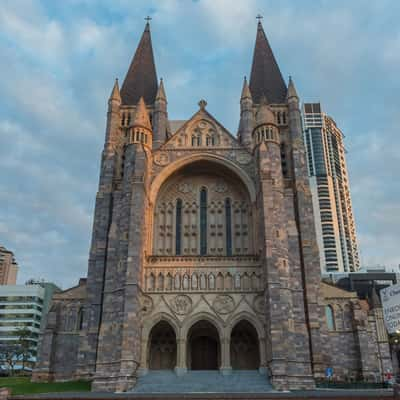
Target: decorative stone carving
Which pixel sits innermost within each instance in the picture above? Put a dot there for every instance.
(185, 282)
(147, 305)
(223, 304)
(161, 158)
(220, 187)
(181, 304)
(243, 158)
(185, 187)
(177, 281)
(203, 282)
(259, 304)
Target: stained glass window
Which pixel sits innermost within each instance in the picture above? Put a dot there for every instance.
(178, 227)
(203, 221)
(228, 218)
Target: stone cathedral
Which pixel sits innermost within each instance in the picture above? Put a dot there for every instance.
(203, 252)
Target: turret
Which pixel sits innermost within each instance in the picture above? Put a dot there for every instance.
(265, 127)
(113, 117)
(140, 129)
(246, 115)
(160, 117)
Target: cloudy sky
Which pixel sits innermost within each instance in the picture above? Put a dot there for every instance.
(58, 63)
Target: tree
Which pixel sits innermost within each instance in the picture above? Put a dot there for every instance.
(25, 350)
(9, 355)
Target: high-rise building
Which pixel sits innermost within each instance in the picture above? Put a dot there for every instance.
(330, 188)
(24, 307)
(204, 253)
(8, 267)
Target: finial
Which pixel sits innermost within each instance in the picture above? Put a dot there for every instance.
(202, 104)
(259, 17)
(148, 19)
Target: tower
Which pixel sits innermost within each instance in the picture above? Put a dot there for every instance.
(330, 189)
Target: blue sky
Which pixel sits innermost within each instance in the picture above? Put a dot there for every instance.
(59, 61)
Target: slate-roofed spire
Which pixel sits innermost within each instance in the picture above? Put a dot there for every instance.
(141, 78)
(266, 78)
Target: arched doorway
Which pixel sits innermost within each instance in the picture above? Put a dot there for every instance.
(245, 351)
(204, 350)
(162, 352)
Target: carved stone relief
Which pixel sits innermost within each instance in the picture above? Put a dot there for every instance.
(223, 304)
(181, 305)
(259, 304)
(243, 158)
(147, 305)
(161, 158)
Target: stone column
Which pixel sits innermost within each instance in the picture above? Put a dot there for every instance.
(181, 367)
(226, 367)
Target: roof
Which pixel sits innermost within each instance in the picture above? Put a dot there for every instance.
(175, 124)
(333, 292)
(266, 78)
(141, 78)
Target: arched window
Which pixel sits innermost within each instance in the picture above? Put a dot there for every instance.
(228, 219)
(178, 227)
(203, 221)
(330, 318)
(80, 319)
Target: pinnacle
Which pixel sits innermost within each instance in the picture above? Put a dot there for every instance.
(291, 89)
(161, 91)
(141, 115)
(246, 90)
(115, 94)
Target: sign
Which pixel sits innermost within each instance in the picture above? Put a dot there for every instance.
(329, 372)
(390, 298)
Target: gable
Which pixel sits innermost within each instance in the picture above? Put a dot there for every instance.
(202, 131)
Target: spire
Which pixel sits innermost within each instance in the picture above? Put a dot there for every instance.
(266, 78)
(141, 115)
(246, 90)
(161, 92)
(291, 92)
(141, 78)
(115, 95)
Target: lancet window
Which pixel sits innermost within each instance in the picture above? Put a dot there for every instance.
(178, 227)
(203, 221)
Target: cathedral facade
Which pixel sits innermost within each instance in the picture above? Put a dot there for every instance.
(204, 253)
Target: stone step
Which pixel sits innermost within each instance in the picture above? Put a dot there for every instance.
(202, 382)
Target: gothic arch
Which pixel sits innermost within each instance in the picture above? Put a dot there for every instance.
(178, 164)
(251, 319)
(150, 323)
(203, 316)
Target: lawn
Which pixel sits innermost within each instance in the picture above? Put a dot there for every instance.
(23, 385)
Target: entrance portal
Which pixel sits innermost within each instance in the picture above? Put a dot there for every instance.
(162, 354)
(203, 347)
(245, 352)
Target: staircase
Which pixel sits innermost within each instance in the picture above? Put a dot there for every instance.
(202, 382)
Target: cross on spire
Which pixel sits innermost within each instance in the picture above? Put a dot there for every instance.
(148, 19)
(259, 17)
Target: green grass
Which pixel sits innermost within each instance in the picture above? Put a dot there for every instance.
(23, 385)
